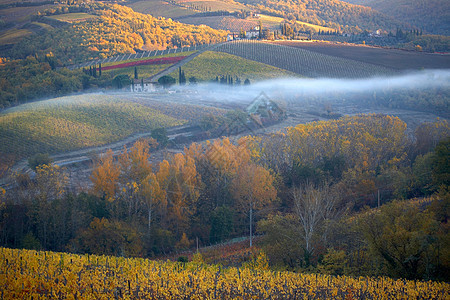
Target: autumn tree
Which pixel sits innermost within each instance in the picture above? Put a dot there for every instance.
(135, 168)
(253, 189)
(151, 194)
(105, 176)
(180, 180)
(49, 185)
(399, 234)
(104, 237)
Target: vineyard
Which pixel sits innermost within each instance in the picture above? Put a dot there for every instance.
(50, 275)
(303, 62)
(75, 122)
(68, 123)
(128, 57)
(210, 64)
(155, 61)
(390, 58)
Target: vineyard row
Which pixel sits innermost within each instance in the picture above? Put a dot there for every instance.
(303, 62)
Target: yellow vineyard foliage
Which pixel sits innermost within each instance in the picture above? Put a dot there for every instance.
(26, 274)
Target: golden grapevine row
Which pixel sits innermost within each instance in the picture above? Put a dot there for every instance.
(26, 274)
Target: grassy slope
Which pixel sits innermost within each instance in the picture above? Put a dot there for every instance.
(73, 122)
(211, 64)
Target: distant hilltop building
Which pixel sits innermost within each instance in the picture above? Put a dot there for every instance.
(376, 33)
(253, 33)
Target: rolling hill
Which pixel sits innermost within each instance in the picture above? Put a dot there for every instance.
(432, 15)
(331, 13)
(106, 31)
(304, 62)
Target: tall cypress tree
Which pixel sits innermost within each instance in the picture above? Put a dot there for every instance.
(135, 73)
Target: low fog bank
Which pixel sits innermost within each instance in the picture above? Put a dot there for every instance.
(421, 80)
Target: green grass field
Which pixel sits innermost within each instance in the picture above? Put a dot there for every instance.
(210, 64)
(143, 71)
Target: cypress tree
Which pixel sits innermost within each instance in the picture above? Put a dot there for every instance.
(135, 73)
(99, 70)
(183, 77)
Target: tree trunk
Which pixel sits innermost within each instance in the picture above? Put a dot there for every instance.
(149, 218)
(251, 219)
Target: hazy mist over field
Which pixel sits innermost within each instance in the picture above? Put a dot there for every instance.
(315, 87)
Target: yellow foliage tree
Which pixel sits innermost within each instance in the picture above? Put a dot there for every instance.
(253, 189)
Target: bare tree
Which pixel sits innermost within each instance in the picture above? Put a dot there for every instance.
(314, 207)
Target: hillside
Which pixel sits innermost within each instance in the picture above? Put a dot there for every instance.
(331, 13)
(304, 62)
(388, 58)
(432, 15)
(111, 29)
(210, 65)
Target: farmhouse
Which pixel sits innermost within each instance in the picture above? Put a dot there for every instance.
(233, 36)
(263, 110)
(143, 85)
(252, 34)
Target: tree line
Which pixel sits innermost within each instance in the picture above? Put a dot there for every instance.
(320, 193)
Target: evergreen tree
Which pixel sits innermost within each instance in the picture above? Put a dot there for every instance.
(135, 73)
(99, 70)
(183, 77)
